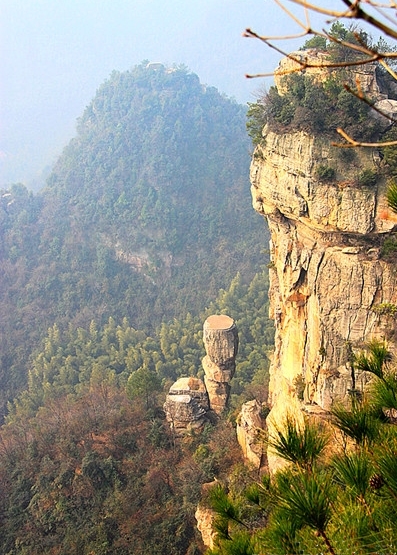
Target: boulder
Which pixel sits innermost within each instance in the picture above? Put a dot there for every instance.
(186, 405)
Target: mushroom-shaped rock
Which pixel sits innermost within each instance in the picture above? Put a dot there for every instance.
(220, 339)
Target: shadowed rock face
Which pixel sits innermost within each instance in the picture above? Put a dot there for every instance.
(186, 405)
(221, 344)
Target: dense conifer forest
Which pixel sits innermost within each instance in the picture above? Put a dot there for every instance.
(146, 215)
(145, 228)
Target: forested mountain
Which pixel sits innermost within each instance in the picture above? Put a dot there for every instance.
(145, 216)
(87, 462)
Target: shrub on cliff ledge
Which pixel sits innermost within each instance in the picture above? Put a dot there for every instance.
(325, 173)
(318, 106)
(367, 178)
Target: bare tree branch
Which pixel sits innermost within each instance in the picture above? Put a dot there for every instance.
(353, 143)
(365, 53)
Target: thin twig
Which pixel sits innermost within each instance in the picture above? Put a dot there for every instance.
(359, 94)
(358, 13)
(353, 143)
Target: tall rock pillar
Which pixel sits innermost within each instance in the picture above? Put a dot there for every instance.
(221, 344)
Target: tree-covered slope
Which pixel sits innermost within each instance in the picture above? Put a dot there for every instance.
(88, 462)
(146, 215)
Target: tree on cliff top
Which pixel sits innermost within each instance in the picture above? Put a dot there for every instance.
(352, 42)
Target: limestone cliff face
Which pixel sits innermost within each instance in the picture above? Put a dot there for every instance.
(326, 273)
(249, 424)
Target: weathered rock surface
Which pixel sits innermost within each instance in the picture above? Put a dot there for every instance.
(249, 432)
(327, 275)
(189, 401)
(186, 405)
(221, 344)
(205, 519)
(387, 111)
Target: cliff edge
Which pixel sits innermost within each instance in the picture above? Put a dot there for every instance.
(327, 274)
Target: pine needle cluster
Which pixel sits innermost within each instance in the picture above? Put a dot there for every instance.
(339, 503)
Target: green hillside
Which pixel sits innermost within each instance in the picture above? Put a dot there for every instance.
(146, 215)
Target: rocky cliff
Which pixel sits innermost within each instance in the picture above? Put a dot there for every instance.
(328, 277)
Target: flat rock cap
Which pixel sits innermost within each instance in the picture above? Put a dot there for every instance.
(218, 322)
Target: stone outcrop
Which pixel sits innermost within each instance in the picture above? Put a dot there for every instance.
(312, 62)
(205, 519)
(186, 405)
(327, 274)
(249, 432)
(190, 402)
(221, 344)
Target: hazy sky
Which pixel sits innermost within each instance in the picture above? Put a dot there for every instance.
(54, 54)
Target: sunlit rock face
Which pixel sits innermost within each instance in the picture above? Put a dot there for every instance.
(326, 274)
(205, 518)
(221, 344)
(249, 433)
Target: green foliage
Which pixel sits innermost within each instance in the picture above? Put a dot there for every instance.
(354, 470)
(389, 247)
(391, 195)
(358, 423)
(386, 463)
(305, 498)
(390, 152)
(92, 473)
(353, 35)
(72, 360)
(325, 173)
(317, 42)
(342, 502)
(256, 119)
(320, 107)
(298, 444)
(225, 508)
(132, 223)
(388, 309)
(375, 359)
(367, 178)
(142, 383)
